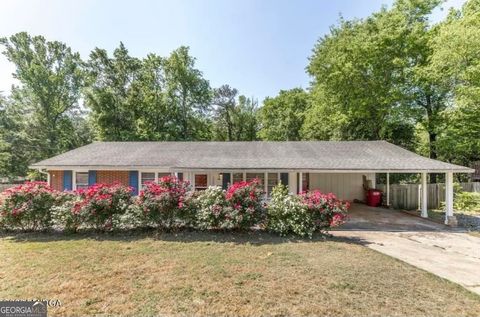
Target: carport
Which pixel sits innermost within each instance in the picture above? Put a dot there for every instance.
(344, 178)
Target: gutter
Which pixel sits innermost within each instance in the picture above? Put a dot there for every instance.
(220, 169)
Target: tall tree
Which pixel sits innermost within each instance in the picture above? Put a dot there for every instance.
(233, 118)
(16, 147)
(51, 79)
(224, 102)
(247, 125)
(361, 75)
(189, 94)
(282, 117)
(155, 117)
(107, 95)
(456, 63)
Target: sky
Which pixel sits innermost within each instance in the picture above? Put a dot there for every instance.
(258, 47)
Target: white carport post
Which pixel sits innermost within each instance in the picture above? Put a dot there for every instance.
(449, 218)
(388, 190)
(300, 182)
(424, 213)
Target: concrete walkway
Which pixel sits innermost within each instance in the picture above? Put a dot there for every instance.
(448, 253)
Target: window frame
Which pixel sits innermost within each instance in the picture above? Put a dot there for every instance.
(195, 187)
(233, 181)
(141, 185)
(268, 191)
(154, 171)
(74, 179)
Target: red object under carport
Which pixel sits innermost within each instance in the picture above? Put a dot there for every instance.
(374, 197)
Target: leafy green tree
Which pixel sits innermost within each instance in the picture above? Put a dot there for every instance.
(361, 87)
(323, 119)
(456, 63)
(37, 120)
(16, 146)
(224, 103)
(189, 94)
(107, 95)
(456, 50)
(246, 117)
(234, 119)
(155, 117)
(281, 118)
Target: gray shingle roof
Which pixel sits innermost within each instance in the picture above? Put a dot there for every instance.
(302, 155)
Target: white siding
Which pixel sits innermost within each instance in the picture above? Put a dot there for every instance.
(346, 186)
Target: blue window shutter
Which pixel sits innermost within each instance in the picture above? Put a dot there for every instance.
(284, 178)
(92, 178)
(67, 180)
(225, 180)
(133, 181)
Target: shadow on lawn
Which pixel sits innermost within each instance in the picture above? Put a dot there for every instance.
(252, 237)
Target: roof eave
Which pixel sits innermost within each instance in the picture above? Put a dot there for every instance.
(305, 170)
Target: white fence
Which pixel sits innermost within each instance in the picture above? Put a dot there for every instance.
(407, 196)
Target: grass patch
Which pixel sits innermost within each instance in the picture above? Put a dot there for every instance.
(475, 233)
(220, 274)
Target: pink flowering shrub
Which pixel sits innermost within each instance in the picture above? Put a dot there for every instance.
(99, 205)
(240, 207)
(167, 202)
(28, 206)
(246, 200)
(326, 210)
(304, 214)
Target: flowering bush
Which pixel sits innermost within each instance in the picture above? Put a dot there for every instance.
(65, 216)
(326, 210)
(28, 206)
(100, 205)
(169, 203)
(213, 211)
(166, 203)
(288, 214)
(245, 198)
(304, 214)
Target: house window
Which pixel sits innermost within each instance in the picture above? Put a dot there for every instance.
(147, 177)
(272, 182)
(237, 177)
(160, 175)
(259, 176)
(305, 182)
(201, 181)
(81, 180)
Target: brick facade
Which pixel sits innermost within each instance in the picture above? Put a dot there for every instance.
(103, 177)
(56, 180)
(109, 177)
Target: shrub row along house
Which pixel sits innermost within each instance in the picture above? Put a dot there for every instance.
(338, 167)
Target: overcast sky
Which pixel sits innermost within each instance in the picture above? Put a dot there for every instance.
(258, 47)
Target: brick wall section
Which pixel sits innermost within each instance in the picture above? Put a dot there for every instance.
(109, 177)
(56, 180)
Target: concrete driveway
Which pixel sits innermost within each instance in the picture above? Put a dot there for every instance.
(448, 253)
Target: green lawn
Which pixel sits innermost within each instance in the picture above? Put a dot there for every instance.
(220, 274)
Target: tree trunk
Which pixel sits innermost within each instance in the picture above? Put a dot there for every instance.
(432, 137)
(229, 125)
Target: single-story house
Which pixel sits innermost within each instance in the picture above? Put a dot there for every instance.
(330, 166)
